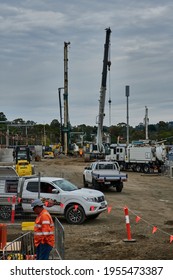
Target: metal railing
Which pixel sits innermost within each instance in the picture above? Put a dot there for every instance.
(58, 251)
(22, 248)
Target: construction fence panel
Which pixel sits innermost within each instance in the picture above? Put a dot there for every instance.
(58, 252)
(22, 248)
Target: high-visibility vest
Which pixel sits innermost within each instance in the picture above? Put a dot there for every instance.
(44, 229)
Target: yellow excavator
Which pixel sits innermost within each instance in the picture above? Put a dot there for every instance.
(48, 153)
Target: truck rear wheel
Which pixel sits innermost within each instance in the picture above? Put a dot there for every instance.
(119, 187)
(95, 185)
(85, 184)
(5, 212)
(138, 168)
(146, 168)
(75, 215)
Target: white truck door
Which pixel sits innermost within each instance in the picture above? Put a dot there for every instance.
(30, 192)
(88, 174)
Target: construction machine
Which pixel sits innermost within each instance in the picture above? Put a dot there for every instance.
(98, 150)
(22, 156)
(48, 152)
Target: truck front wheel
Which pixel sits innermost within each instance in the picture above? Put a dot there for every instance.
(75, 215)
(5, 212)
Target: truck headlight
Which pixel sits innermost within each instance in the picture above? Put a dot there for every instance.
(89, 199)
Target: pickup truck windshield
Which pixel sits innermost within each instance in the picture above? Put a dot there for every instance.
(65, 185)
(105, 166)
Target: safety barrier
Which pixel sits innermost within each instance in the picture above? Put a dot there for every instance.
(58, 252)
(22, 248)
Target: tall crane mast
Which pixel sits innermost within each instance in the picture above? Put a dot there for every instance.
(106, 68)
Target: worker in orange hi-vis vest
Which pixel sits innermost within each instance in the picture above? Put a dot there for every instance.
(44, 238)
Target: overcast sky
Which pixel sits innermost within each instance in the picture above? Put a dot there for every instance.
(33, 33)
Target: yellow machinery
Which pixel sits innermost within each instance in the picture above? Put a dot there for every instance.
(24, 168)
(48, 152)
(22, 156)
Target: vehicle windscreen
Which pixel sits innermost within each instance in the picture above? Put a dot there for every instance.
(105, 166)
(65, 185)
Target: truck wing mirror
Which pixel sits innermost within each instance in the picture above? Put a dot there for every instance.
(55, 191)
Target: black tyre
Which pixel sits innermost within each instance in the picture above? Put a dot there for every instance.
(85, 184)
(95, 185)
(119, 187)
(75, 215)
(5, 212)
(146, 168)
(138, 168)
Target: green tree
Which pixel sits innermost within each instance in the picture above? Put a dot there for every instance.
(2, 117)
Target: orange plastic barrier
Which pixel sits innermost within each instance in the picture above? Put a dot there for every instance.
(3, 235)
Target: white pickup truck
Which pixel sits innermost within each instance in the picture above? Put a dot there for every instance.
(60, 196)
(104, 174)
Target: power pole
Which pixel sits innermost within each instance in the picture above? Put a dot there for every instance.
(127, 95)
(60, 109)
(66, 115)
(146, 122)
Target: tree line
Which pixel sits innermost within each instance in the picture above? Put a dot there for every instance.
(21, 132)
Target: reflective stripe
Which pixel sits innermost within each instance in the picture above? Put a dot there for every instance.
(37, 225)
(48, 233)
(46, 222)
(44, 233)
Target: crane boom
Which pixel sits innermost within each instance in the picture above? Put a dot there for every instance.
(106, 67)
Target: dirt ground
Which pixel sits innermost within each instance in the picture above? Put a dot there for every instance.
(149, 199)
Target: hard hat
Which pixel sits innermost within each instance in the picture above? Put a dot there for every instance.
(36, 202)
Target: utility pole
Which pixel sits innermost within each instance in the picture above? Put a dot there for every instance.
(146, 122)
(66, 116)
(60, 109)
(127, 95)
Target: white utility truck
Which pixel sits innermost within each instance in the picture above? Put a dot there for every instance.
(60, 196)
(139, 156)
(103, 175)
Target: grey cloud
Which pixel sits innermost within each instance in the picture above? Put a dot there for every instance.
(31, 57)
